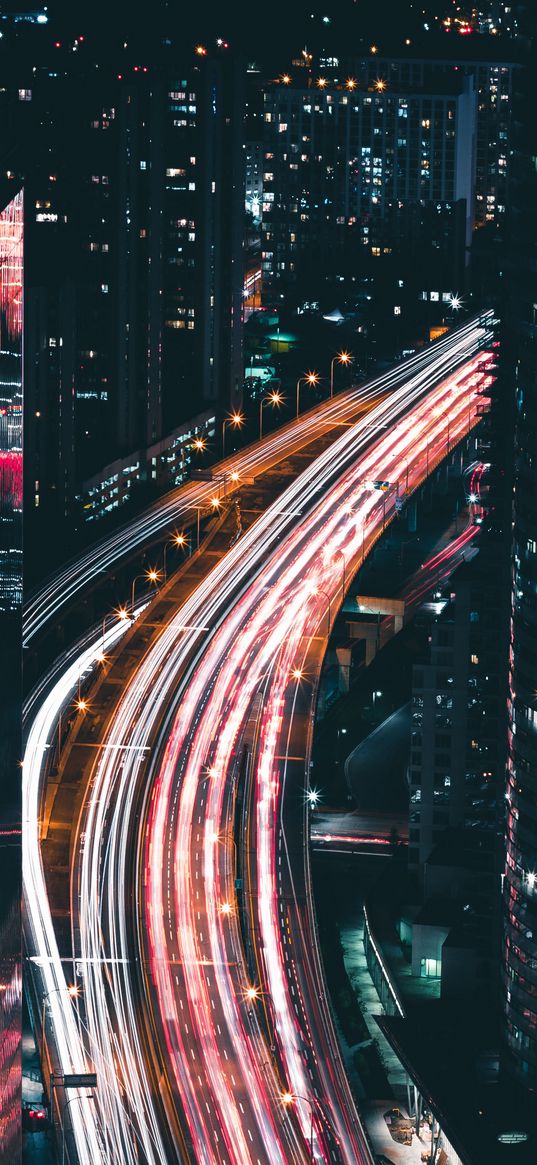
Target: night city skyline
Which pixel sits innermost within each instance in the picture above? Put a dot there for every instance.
(268, 538)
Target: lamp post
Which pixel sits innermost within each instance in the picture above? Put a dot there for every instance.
(73, 991)
(340, 358)
(65, 1107)
(273, 398)
(310, 378)
(121, 613)
(151, 576)
(236, 420)
(198, 510)
(177, 541)
(339, 551)
(289, 1098)
(253, 994)
(315, 590)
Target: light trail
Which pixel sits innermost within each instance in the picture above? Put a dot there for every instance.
(46, 604)
(195, 690)
(40, 939)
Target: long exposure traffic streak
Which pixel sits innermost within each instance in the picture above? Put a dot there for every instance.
(44, 607)
(200, 691)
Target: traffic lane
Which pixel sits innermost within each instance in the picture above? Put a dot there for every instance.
(255, 460)
(101, 557)
(211, 1011)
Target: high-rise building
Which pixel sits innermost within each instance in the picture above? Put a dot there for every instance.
(519, 349)
(493, 79)
(384, 169)
(457, 760)
(135, 224)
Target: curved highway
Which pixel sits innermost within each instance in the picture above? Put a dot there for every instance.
(179, 506)
(233, 672)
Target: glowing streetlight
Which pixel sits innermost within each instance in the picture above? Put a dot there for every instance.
(236, 420)
(285, 79)
(322, 82)
(455, 302)
(72, 991)
(340, 358)
(288, 1098)
(315, 590)
(273, 398)
(313, 797)
(151, 576)
(297, 674)
(199, 444)
(226, 908)
(344, 560)
(216, 502)
(310, 378)
(179, 541)
(350, 83)
(380, 85)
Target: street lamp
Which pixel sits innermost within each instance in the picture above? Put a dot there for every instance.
(199, 444)
(72, 990)
(151, 576)
(315, 590)
(311, 378)
(254, 993)
(273, 398)
(177, 541)
(236, 420)
(376, 696)
(88, 1096)
(339, 551)
(341, 358)
(220, 838)
(198, 510)
(288, 1098)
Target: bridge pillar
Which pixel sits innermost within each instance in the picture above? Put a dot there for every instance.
(344, 657)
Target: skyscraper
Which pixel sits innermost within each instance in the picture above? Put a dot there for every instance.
(380, 169)
(135, 215)
(520, 372)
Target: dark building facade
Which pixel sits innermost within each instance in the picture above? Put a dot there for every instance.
(520, 371)
(135, 224)
(380, 170)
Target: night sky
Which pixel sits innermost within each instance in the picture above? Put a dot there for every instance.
(257, 28)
